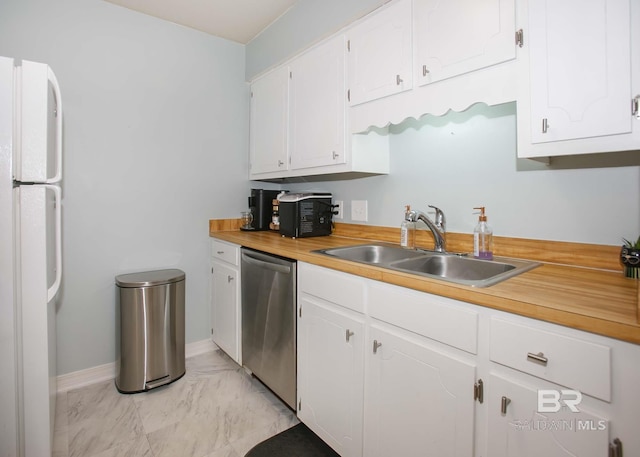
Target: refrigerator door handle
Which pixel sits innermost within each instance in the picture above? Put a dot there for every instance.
(58, 151)
(53, 290)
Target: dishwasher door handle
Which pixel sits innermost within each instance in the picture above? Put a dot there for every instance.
(268, 265)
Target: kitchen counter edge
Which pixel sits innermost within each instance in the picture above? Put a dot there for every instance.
(597, 301)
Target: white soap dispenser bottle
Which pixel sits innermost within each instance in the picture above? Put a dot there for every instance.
(482, 238)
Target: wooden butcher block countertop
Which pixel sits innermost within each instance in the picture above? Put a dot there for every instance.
(578, 285)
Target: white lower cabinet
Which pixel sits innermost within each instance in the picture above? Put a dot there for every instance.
(384, 371)
(518, 429)
(330, 367)
(225, 298)
(418, 399)
(415, 396)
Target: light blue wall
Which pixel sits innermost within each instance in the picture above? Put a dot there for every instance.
(305, 23)
(463, 160)
(155, 144)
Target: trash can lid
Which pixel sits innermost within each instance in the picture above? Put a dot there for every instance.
(150, 278)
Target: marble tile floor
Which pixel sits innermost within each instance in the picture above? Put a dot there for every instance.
(215, 410)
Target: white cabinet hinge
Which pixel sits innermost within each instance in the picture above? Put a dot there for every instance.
(348, 45)
(615, 448)
(348, 95)
(300, 404)
(478, 391)
(635, 106)
(300, 311)
(520, 37)
(290, 75)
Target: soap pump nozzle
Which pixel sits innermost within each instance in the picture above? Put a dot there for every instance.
(482, 217)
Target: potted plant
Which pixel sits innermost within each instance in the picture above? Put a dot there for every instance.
(630, 258)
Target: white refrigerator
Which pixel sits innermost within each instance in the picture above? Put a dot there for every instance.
(30, 254)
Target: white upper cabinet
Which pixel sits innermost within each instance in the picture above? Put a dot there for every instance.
(580, 69)
(317, 106)
(268, 146)
(379, 54)
(458, 36)
(579, 78)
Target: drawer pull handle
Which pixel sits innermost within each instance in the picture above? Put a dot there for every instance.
(503, 405)
(348, 334)
(537, 358)
(376, 345)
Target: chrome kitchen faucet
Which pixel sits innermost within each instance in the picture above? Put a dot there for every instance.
(438, 228)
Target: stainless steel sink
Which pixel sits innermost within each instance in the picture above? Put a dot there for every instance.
(372, 253)
(448, 267)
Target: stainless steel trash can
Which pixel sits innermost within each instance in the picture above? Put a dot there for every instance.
(150, 326)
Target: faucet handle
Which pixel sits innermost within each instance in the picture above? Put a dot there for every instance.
(439, 220)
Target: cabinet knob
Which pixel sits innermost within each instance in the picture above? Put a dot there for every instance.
(376, 345)
(425, 71)
(503, 405)
(229, 278)
(280, 163)
(537, 358)
(335, 155)
(398, 80)
(348, 334)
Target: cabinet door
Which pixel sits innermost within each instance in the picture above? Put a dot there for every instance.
(317, 106)
(330, 375)
(269, 121)
(519, 430)
(458, 36)
(225, 308)
(380, 54)
(579, 69)
(418, 400)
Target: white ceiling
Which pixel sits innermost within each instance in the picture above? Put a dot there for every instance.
(235, 20)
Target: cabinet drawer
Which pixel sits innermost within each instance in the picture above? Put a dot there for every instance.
(226, 252)
(562, 359)
(439, 318)
(333, 286)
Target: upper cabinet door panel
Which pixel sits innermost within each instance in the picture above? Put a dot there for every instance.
(380, 54)
(269, 119)
(579, 68)
(317, 106)
(458, 36)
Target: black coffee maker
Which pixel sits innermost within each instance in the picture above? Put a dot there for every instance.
(261, 206)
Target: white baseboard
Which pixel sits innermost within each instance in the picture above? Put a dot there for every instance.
(107, 371)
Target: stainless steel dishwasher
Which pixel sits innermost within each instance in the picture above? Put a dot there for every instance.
(269, 321)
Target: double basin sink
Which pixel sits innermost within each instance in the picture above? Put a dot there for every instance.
(455, 268)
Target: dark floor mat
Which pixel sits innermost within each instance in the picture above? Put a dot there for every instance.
(298, 441)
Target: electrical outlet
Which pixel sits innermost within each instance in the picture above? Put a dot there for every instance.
(339, 208)
(359, 210)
